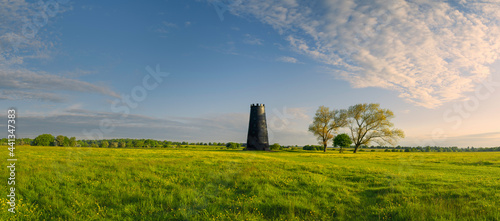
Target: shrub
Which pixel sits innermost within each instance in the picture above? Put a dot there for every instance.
(275, 146)
(312, 147)
(232, 145)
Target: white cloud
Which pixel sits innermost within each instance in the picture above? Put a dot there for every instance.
(431, 52)
(169, 24)
(252, 40)
(288, 59)
(18, 84)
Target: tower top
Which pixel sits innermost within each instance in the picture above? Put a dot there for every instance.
(258, 105)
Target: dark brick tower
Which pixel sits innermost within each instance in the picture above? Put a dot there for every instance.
(257, 128)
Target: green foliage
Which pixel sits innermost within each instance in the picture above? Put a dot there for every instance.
(232, 145)
(342, 141)
(370, 123)
(312, 147)
(60, 140)
(326, 123)
(72, 142)
(275, 146)
(44, 140)
(104, 144)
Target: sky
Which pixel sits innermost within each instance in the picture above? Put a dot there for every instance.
(189, 70)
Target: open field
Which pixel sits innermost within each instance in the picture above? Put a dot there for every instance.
(210, 184)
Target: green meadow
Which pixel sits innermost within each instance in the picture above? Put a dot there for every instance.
(58, 183)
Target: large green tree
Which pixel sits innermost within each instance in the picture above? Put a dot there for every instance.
(370, 123)
(43, 140)
(326, 123)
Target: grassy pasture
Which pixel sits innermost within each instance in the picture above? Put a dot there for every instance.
(55, 183)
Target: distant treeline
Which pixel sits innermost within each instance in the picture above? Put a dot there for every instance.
(417, 149)
(436, 149)
(63, 141)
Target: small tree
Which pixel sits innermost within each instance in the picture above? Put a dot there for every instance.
(232, 145)
(72, 142)
(66, 142)
(275, 146)
(342, 140)
(60, 140)
(44, 140)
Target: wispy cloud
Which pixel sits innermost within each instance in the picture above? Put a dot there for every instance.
(252, 40)
(165, 27)
(27, 95)
(17, 84)
(288, 59)
(431, 52)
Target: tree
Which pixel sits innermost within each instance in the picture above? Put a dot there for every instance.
(368, 122)
(72, 142)
(66, 141)
(232, 145)
(326, 123)
(342, 140)
(312, 147)
(275, 146)
(44, 140)
(138, 143)
(60, 140)
(104, 144)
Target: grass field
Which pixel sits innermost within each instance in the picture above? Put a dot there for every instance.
(55, 183)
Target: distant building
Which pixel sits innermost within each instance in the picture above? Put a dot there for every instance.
(257, 138)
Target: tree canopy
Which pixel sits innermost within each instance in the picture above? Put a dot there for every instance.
(342, 141)
(43, 140)
(370, 123)
(326, 123)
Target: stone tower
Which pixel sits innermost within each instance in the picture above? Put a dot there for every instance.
(257, 128)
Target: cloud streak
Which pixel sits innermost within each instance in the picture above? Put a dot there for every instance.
(18, 84)
(287, 59)
(431, 52)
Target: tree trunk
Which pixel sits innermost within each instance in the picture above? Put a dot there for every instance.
(324, 148)
(356, 148)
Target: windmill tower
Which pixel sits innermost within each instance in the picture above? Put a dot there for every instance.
(257, 128)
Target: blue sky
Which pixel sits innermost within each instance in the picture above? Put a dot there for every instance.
(66, 65)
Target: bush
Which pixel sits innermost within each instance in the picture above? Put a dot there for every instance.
(312, 147)
(276, 146)
(372, 150)
(232, 145)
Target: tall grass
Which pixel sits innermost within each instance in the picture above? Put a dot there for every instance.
(55, 183)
